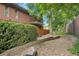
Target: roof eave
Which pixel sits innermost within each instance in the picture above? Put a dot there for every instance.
(17, 7)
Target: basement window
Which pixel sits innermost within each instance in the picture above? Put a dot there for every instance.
(6, 11)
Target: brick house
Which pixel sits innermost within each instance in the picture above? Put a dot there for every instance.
(13, 12)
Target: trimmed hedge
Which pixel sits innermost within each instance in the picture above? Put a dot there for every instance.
(15, 34)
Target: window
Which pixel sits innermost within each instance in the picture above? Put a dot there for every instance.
(6, 11)
(17, 14)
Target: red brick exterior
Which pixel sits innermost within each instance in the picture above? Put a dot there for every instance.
(22, 17)
(42, 31)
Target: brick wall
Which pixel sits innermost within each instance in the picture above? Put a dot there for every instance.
(42, 31)
(22, 17)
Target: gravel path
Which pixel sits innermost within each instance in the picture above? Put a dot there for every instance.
(58, 47)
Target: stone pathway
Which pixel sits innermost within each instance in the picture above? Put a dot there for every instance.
(58, 47)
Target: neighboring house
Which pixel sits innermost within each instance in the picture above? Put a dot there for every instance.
(74, 27)
(13, 12)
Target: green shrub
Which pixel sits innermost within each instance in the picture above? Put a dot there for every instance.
(15, 34)
(75, 49)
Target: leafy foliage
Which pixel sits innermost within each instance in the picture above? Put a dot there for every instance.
(75, 49)
(15, 34)
(58, 14)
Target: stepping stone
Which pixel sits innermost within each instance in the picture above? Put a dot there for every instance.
(31, 51)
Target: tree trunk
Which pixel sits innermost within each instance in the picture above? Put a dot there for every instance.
(50, 27)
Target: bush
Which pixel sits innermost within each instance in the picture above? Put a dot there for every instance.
(15, 34)
(75, 49)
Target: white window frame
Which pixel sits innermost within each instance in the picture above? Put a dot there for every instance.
(17, 14)
(6, 10)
